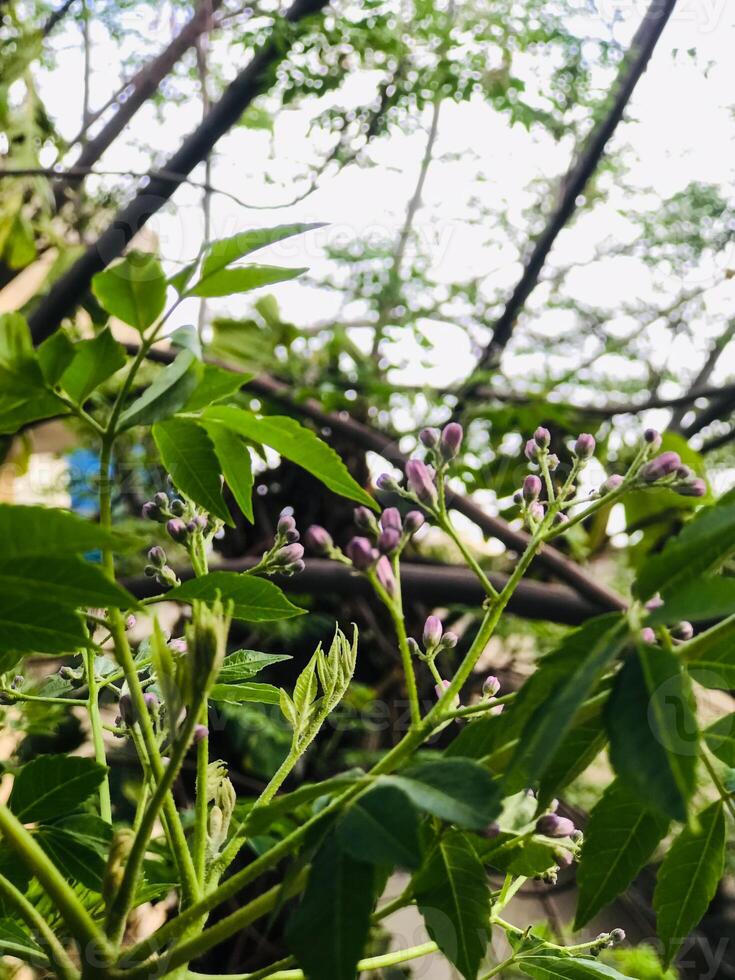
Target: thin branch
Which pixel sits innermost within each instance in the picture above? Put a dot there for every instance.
(575, 181)
(251, 82)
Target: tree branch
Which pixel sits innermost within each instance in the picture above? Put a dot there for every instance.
(576, 179)
(69, 290)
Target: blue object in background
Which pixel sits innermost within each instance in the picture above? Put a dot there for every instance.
(84, 468)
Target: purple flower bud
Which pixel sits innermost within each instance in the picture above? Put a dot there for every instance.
(661, 466)
(130, 622)
(150, 511)
(157, 556)
(655, 602)
(451, 440)
(192, 526)
(491, 686)
(518, 498)
(683, 631)
(285, 524)
(391, 518)
(552, 461)
(648, 635)
(684, 473)
(449, 640)
(420, 481)
(385, 575)
(617, 936)
(613, 482)
(536, 511)
(151, 701)
(201, 521)
(432, 632)
(177, 507)
(365, 520)
(697, 488)
(200, 733)
(125, 704)
(542, 437)
(532, 487)
(361, 553)
(491, 831)
(160, 499)
(653, 438)
(318, 540)
(564, 858)
(414, 521)
(388, 540)
(430, 438)
(441, 688)
(295, 568)
(289, 553)
(530, 450)
(584, 447)
(552, 825)
(387, 482)
(560, 519)
(177, 529)
(178, 645)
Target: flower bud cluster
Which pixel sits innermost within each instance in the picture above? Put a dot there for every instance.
(159, 569)
(286, 555)
(433, 641)
(490, 691)
(423, 475)
(181, 517)
(668, 470)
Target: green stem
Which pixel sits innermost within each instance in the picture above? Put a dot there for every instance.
(63, 966)
(468, 710)
(37, 698)
(76, 917)
(719, 785)
(446, 525)
(396, 614)
(497, 970)
(201, 811)
(98, 741)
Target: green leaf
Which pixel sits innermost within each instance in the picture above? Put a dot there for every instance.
(619, 839)
(263, 817)
(581, 746)
(328, 930)
(133, 290)
(32, 624)
(244, 664)
(296, 443)
(49, 531)
(703, 545)
(225, 251)
(453, 896)
(547, 966)
(545, 729)
(16, 343)
(55, 354)
(707, 598)
(511, 854)
(94, 361)
(710, 656)
(15, 941)
(652, 727)
(24, 396)
(227, 282)
(215, 384)
(720, 739)
(256, 599)
(456, 790)
(381, 827)
(169, 393)
(688, 878)
(78, 846)
(241, 693)
(54, 786)
(188, 454)
(236, 465)
(68, 581)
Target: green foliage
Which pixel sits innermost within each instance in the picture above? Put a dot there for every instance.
(188, 454)
(254, 599)
(456, 790)
(53, 786)
(381, 828)
(133, 290)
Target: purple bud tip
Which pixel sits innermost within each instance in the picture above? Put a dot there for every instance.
(542, 437)
(560, 519)
(178, 645)
(391, 517)
(451, 440)
(432, 632)
(177, 507)
(564, 858)
(318, 540)
(531, 488)
(420, 481)
(530, 450)
(386, 482)
(552, 825)
(552, 461)
(150, 511)
(683, 631)
(584, 447)
(648, 635)
(652, 437)
(286, 523)
(388, 540)
(536, 511)
(684, 473)
(518, 498)
(364, 519)
(696, 488)
(414, 521)
(192, 526)
(125, 704)
(219, 533)
(385, 575)
(290, 553)
(160, 499)
(296, 567)
(151, 701)
(655, 602)
(491, 686)
(361, 553)
(201, 520)
(449, 640)
(130, 622)
(661, 466)
(612, 483)
(200, 733)
(177, 529)
(441, 688)
(157, 556)
(617, 936)
(430, 438)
